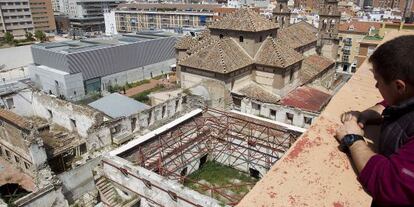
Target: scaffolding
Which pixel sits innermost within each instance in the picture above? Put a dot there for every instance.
(234, 140)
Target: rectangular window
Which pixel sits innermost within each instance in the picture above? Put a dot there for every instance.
(289, 118)
(8, 154)
(163, 111)
(272, 114)
(73, 123)
(256, 108)
(291, 75)
(26, 165)
(1, 152)
(10, 103)
(50, 113)
(116, 129)
(17, 159)
(307, 120)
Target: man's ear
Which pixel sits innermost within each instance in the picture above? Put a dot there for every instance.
(400, 86)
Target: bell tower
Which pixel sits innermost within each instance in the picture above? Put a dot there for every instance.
(329, 18)
(281, 13)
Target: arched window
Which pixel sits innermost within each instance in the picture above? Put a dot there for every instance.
(221, 36)
(241, 39)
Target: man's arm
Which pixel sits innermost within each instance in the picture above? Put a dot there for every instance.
(389, 180)
(360, 153)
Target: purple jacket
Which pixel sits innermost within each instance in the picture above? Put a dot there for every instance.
(390, 180)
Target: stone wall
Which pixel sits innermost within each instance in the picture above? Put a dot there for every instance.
(151, 187)
(48, 196)
(123, 129)
(71, 116)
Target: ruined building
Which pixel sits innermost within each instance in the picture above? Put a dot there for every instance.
(55, 144)
(248, 63)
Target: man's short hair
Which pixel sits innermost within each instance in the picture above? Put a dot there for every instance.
(395, 59)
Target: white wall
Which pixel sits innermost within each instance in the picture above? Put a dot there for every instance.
(63, 112)
(58, 82)
(110, 23)
(160, 196)
(45, 197)
(298, 115)
(137, 74)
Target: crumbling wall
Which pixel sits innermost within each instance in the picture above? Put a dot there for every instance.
(281, 112)
(22, 147)
(152, 187)
(79, 181)
(71, 116)
(123, 129)
(49, 196)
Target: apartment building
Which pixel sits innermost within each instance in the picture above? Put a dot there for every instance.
(15, 17)
(42, 15)
(87, 15)
(142, 16)
(351, 34)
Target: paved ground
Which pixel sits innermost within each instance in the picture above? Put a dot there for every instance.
(152, 84)
(10, 174)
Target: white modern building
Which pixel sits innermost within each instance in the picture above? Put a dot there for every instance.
(74, 69)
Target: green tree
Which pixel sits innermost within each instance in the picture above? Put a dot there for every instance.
(40, 35)
(29, 36)
(9, 38)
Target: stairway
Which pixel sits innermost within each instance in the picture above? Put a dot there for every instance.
(107, 192)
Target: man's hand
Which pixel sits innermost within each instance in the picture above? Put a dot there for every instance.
(349, 127)
(357, 116)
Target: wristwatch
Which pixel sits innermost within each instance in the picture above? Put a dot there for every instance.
(348, 140)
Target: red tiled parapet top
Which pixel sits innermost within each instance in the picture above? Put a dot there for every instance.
(314, 172)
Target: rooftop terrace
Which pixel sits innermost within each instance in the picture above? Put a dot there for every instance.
(313, 172)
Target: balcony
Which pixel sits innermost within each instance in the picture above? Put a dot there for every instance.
(15, 7)
(20, 13)
(314, 172)
(18, 20)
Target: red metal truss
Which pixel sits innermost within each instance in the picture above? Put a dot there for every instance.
(231, 139)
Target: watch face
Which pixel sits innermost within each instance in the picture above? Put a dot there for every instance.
(349, 139)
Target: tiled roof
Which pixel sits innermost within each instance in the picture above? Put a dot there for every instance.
(222, 56)
(298, 35)
(186, 42)
(312, 66)
(204, 38)
(15, 119)
(274, 53)
(314, 172)
(189, 41)
(358, 27)
(306, 98)
(255, 91)
(244, 20)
